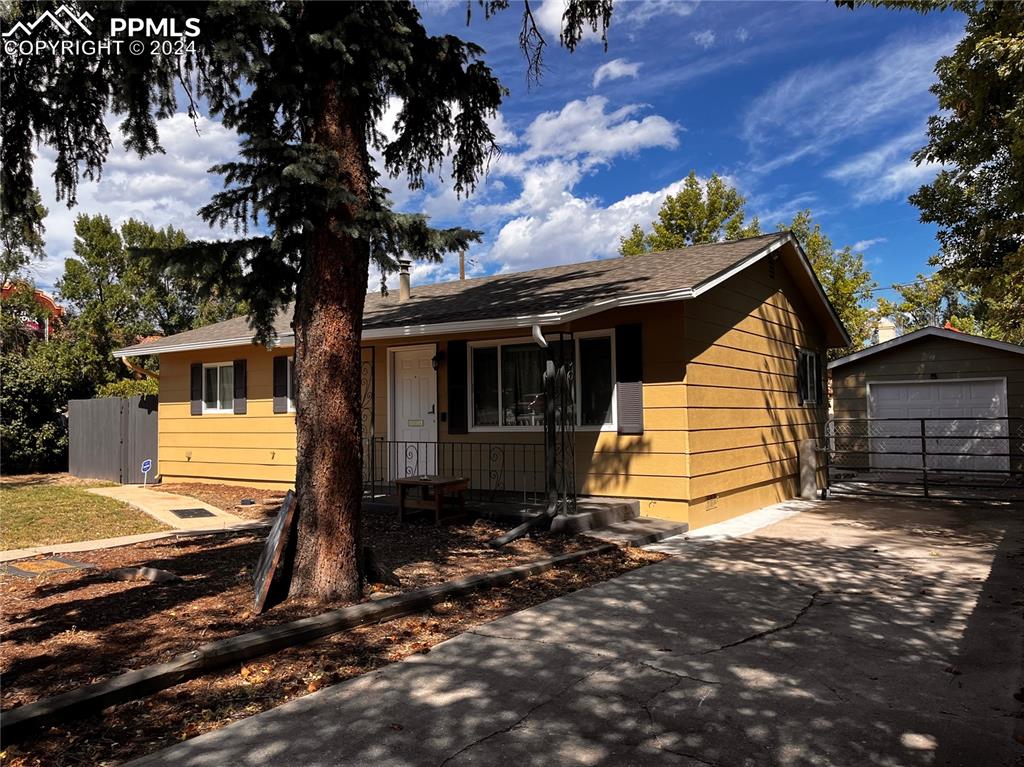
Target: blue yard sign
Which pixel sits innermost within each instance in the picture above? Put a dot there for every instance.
(146, 466)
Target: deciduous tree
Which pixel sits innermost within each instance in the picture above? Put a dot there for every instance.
(847, 282)
(930, 301)
(977, 137)
(700, 212)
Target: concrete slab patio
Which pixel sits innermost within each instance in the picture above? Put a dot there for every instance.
(852, 633)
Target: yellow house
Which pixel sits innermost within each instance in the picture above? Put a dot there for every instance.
(692, 377)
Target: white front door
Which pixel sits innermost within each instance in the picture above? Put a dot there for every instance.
(414, 412)
(959, 438)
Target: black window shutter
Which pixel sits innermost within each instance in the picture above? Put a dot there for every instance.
(629, 373)
(196, 388)
(802, 388)
(240, 387)
(458, 399)
(281, 384)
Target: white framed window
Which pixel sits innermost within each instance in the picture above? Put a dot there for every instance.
(506, 382)
(808, 377)
(219, 388)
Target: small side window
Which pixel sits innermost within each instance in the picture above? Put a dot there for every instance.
(808, 377)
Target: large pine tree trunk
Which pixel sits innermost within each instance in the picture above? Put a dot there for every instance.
(328, 325)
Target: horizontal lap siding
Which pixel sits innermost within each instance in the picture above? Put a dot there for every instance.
(938, 357)
(257, 448)
(745, 422)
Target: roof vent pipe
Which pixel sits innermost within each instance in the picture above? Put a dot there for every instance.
(404, 280)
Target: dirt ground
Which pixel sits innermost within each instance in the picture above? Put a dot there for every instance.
(228, 497)
(68, 630)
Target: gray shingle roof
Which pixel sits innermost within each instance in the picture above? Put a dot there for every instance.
(555, 290)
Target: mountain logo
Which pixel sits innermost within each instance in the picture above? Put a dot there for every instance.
(63, 18)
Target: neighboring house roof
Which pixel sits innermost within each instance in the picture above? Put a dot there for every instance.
(546, 296)
(930, 332)
(42, 298)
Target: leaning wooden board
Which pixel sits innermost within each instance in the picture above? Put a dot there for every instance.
(277, 539)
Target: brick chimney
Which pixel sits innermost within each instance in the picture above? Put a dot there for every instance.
(404, 280)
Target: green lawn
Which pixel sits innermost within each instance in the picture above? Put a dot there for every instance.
(41, 514)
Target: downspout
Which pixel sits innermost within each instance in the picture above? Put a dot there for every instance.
(538, 336)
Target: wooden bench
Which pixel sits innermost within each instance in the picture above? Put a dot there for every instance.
(432, 492)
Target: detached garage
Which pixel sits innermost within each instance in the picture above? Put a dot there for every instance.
(937, 410)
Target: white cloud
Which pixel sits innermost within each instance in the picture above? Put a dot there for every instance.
(861, 245)
(642, 11)
(573, 229)
(742, 34)
(614, 70)
(161, 189)
(549, 17)
(784, 211)
(705, 39)
(528, 204)
(817, 107)
(586, 128)
(886, 172)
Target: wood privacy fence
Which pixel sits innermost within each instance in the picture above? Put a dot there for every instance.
(110, 437)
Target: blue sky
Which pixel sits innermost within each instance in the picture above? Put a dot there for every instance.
(800, 105)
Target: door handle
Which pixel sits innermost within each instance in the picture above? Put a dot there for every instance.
(432, 410)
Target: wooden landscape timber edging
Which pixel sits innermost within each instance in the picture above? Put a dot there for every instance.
(93, 698)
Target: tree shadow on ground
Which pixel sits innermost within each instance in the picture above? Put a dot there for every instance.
(872, 644)
(94, 628)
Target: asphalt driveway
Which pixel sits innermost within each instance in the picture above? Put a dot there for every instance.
(854, 633)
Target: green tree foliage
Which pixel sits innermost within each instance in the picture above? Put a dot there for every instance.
(36, 388)
(930, 301)
(104, 304)
(21, 243)
(847, 282)
(129, 388)
(22, 237)
(120, 288)
(699, 213)
(977, 198)
(305, 85)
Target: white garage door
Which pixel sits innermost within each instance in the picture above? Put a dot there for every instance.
(957, 438)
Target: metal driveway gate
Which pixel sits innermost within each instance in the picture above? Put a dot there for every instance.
(110, 437)
(972, 458)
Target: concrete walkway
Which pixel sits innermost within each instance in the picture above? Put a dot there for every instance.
(852, 633)
(160, 505)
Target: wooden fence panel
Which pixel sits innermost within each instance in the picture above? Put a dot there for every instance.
(109, 437)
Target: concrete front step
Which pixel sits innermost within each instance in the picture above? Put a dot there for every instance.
(596, 513)
(638, 532)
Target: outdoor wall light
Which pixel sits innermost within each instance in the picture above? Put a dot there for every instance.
(436, 360)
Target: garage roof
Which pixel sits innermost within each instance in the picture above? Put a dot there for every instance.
(952, 335)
